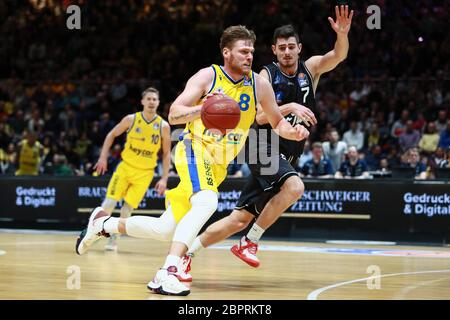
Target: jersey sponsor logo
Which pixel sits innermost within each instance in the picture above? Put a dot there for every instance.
(135, 138)
(231, 137)
(141, 152)
(156, 126)
(208, 172)
(234, 138)
(211, 133)
(138, 130)
(302, 80)
(279, 96)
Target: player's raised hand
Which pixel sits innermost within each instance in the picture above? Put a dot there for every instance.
(161, 186)
(343, 20)
(101, 166)
(304, 114)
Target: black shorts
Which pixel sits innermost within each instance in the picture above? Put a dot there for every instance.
(260, 188)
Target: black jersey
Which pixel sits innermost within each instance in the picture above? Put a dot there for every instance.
(296, 88)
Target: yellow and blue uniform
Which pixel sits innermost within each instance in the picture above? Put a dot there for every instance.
(135, 172)
(202, 156)
(29, 158)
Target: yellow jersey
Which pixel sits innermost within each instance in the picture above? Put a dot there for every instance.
(29, 158)
(225, 148)
(143, 142)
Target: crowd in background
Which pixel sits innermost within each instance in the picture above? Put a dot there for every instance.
(386, 105)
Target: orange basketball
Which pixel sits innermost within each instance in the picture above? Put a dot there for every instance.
(220, 112)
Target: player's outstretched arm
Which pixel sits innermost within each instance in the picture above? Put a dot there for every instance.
(321, 64)
(161, 185)
(266, 98)
(102, 164)
(183, 109)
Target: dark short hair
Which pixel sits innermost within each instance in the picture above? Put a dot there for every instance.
(285, 32)
(150, 90)
(234, 33)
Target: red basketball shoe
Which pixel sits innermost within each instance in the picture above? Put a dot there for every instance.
(183, 269)
(246, 251)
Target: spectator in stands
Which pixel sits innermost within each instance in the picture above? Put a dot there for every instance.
(399, 126)
(353, 167)
(82, 146)
(8, 160)
(61, 167)
(439, 157)
(445, 163)
(384, 165)
(354, 136)
(412, 159)
(305, 156)
(444, 139)
(430, 139)
(441, 121)
(5, 136)
(409, 138)
(319, 166)
(374, 157)
(334, 149)
(17, 122)
(373, 138)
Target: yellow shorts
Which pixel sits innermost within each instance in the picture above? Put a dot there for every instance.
(197, 171)
(129, 183)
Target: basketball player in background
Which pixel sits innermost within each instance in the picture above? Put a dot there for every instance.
(266, 197)
(201, 156)
(147, 133)
(30, 152)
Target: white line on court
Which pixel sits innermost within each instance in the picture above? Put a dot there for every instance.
(2, 252)
(314, 294)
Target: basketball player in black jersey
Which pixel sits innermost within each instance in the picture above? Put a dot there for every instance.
(266, 197)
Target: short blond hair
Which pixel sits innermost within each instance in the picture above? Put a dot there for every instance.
(234, 33)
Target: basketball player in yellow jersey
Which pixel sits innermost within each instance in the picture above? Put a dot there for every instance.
(30, 153)
(201, 157)
(147, 133)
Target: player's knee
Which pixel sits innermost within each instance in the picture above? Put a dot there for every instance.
(293, 188)
(165, 231)
(238, 221)
(206, 199)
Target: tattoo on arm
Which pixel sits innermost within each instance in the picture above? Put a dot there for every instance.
(185, 115)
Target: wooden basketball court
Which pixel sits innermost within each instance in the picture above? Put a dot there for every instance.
(45, 266)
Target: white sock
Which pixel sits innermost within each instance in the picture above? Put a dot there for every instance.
(196, 246)
(204, 204)
(171, 260)
(255, 233)
(161, 228)
(111, 225)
